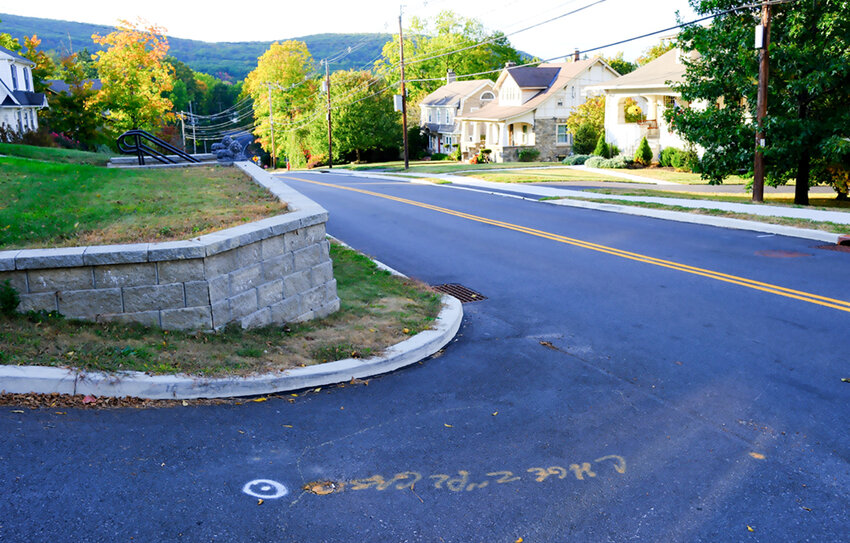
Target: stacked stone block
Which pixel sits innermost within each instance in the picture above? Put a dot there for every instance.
(273, 271)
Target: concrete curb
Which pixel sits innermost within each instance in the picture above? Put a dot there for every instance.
(45, 380)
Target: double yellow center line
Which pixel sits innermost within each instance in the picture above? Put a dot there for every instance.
(833, 303)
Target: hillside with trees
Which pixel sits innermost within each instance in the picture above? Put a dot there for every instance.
(230, 61)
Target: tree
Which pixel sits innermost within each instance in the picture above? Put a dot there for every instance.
(362, 119)
(656, 51)
(584, 139)
(618, 63)
(68, 113)
(44, 67)
(134, 76)
(447, 32)
(586, 123)
(10, 43)
(808, 91)
(282, 75)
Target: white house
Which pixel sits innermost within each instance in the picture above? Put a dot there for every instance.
(18, 102)
(531, 109)
(650, 87)
(440, 109)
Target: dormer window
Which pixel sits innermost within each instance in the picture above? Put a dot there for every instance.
(487, 96)
(439, 117)
(14, 77)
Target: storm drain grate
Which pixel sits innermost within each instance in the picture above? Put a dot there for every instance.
(465, 295)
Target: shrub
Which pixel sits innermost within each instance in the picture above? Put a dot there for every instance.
(691, 162)
(584, 140)
(9, 299)
(594, 162)
(602, 148)
(613, 150)
(576, 160)
(455, 155)
(528, 155)
(439, 156)
(665, 157)
(643, 154)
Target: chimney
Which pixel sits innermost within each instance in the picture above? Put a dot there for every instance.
(575, 56)
(510, 64)
(450, 76)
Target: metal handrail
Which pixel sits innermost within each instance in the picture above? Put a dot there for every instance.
(131, 143)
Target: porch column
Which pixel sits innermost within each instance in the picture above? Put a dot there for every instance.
(652, 114)
(503, 135)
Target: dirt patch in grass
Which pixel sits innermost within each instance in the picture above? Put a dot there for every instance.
(46, 204)
(377, 310)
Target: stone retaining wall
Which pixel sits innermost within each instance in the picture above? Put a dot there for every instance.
(271, 271)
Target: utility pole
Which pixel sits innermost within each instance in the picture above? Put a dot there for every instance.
(192, 122)
(403, 90)
(330, 133)
(183, 128)
(271, 127)
(762, 42)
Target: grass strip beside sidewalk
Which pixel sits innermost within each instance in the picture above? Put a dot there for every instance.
(377, 310)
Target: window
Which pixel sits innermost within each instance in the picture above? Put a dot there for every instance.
(439, 117)
(573, 91)
(562, 136)
(429, 115)
(26, 79)
(487, 96)
(14, 77)
(670, 102)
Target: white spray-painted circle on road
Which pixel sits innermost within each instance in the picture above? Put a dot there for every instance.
(265, 489)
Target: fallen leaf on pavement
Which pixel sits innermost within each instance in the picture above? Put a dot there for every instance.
(757, 456)
(264, 399)
(845, 380)
(448, 425)
(518, 540)
(495, 413)
(287, 426)
(548, 345)
(260, 501)
(806, 508)
(185, 403)
(61, 413)
(17, 411)
(750, 528)
(89, 399)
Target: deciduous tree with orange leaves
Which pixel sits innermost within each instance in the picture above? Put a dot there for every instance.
(133, 75)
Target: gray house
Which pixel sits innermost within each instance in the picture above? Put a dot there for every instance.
(440, 109)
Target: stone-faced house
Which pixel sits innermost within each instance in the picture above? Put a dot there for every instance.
(650, 88)
(531, 109)
(18, 102)
(440, 109)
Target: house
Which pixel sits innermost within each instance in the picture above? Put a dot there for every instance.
(440, 109)
(648, 87)
(531, 109)
(18, 102)
(58, 86)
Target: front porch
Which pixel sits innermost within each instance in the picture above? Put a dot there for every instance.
(503, 138)
(628, 130)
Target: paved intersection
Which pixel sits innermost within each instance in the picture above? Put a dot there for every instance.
(616, 385)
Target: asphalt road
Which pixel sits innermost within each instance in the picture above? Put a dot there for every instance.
(626, 379)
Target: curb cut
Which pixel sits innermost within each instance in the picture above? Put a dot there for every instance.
(46, 380)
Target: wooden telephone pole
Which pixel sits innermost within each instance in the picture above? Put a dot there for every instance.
(330, 133)
(762, 41)
(403, 91)
(271, 127)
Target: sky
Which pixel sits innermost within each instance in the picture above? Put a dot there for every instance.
(603, 22)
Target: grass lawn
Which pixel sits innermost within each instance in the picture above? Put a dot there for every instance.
(377, 310)
(785, 221)
(543, 176)
(816, 201)
(52, 204)
(51, 154)
(444, 166)
(686, 178)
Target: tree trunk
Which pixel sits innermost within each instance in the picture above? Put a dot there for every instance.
(358, 155)
(804, 165)
(801, 191)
